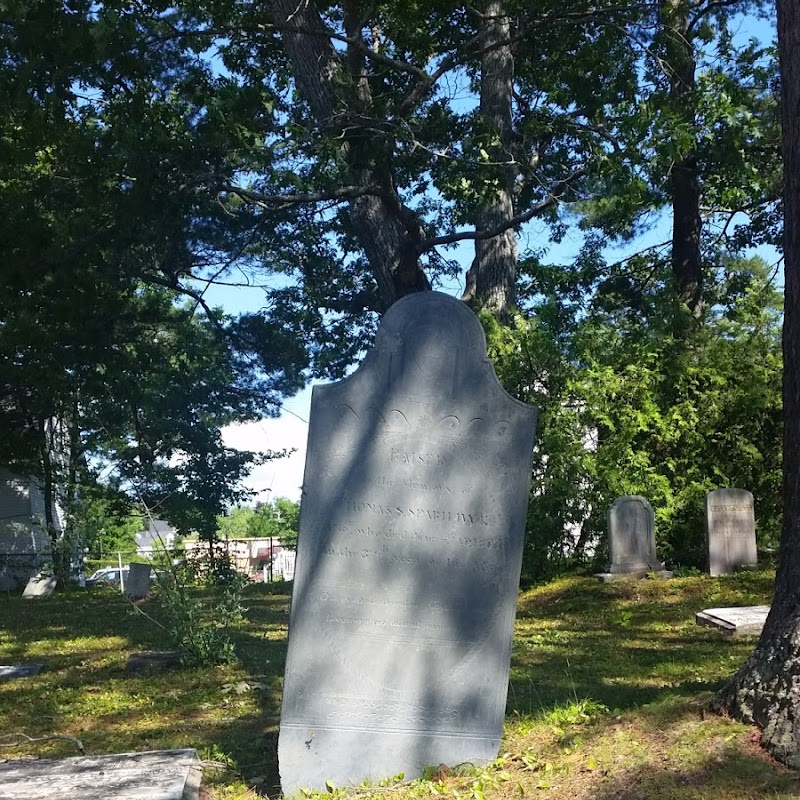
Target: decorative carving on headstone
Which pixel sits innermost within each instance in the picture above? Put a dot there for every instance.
(409, 555)
(730, 530)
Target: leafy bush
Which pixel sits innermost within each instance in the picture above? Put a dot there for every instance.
(202, 608)
(635, 399)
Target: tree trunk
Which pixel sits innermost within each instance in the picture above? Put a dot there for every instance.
(766, 690)
(492, 276)
(684, 180)
(387, 231)
(48, 481)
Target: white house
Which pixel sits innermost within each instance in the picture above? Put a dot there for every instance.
(24, 543)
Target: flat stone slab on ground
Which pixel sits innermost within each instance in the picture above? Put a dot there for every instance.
(20, 670)
(153, 661)
(153, 775)
(734, 621)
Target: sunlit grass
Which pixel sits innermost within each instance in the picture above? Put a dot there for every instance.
(607, 695)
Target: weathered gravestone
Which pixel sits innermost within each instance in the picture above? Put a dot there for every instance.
(409, 554)
(735, 621)
(730, 530)
(631, 539)
(40, 586)
(154, 775)
(137, 582)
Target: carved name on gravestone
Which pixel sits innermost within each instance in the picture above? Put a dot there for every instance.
(40, 586)
(137, 583)
(632, 537)
(730, 530)
(154, 775)
(409, 555)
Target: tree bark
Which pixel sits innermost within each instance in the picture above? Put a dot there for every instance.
(492, 276)
(684, 179)
(387, 231)
(766, 690)
(48, 479)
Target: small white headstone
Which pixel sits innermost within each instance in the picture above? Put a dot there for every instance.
(154, 775)
(40, 586)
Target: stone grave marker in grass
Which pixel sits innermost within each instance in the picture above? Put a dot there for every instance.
(730, 530)
(40, 586)
(736, 621)
(137, 583)
(409, 555)
(154, 775)
(632, 540)
(10, 671)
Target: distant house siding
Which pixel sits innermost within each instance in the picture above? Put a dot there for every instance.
(24, 544)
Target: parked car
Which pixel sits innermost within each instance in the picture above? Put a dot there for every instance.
(107, 576)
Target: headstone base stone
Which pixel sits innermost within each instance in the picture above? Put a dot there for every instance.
(153, 775)
(741, 621)
(610, 577)
(20, 671)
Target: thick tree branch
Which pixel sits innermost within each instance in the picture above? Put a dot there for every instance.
(513, 222)
(276, 201)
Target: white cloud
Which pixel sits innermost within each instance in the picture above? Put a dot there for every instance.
(281, 477)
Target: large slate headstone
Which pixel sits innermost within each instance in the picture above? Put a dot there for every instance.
(153, 775)
(730, 530)
(137, 582)
(632, 537)
(409, 555)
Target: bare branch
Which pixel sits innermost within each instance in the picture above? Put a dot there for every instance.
(176, 286)
(702, 12)
(276, 201)
(513, 222)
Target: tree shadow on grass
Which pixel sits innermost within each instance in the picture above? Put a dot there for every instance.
(721, 776)
(622, 645)
(84, 639)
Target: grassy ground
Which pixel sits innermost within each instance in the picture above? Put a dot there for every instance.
(607, 694)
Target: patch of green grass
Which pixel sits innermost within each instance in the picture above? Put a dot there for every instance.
(607, 695)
